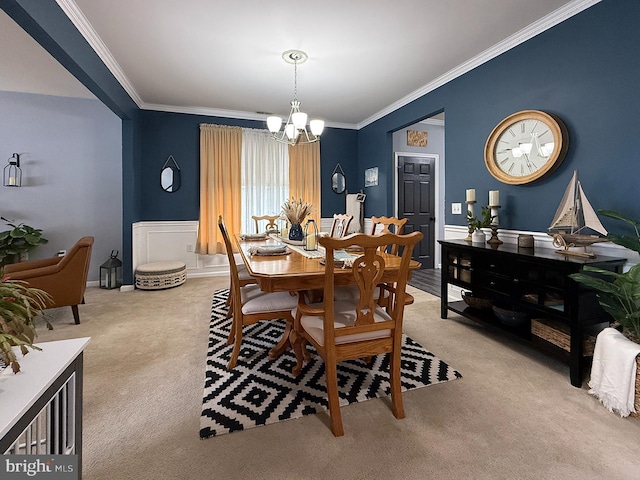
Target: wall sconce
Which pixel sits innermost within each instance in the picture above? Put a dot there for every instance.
(12, 172)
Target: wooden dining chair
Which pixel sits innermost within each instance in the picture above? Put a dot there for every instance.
(355, 328)
(244, 279)
(250, 304)
(394, 225)
(384, 224)
(271, 222)
(340, 226)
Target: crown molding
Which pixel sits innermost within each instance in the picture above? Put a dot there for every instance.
(545, 23)
(76, 16)
(432, 121)
(215, 112)
(71, 9)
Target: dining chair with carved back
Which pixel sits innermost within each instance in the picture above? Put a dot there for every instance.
(250, 304)
(271, 222)
(340, 225)
(383, 225)
(389, 225)
(355, 327)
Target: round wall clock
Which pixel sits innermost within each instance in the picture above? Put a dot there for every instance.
(525, 147)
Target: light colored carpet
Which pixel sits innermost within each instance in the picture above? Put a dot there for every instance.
(513, 415)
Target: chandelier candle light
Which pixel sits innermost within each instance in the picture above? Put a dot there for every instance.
(295, 129)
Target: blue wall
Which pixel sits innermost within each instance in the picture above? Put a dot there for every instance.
(164, 134)
(71, 159)
(585, 70)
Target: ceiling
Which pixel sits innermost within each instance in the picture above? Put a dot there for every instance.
(366, 57)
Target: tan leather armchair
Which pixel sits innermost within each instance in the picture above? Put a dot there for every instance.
(63, 278)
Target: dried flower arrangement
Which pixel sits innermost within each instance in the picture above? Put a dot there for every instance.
(296, 210)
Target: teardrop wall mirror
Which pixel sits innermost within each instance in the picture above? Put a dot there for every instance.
(170, 175)
(338, 180)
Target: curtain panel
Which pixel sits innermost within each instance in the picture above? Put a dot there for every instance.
(265, 176)
(220, 185)
(244, 172)
(304, 176)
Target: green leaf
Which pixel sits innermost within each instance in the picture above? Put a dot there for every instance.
(618, 216)
(17, 233)
(625, 241)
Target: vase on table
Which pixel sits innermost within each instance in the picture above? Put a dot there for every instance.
(295, 232)
(478, 237)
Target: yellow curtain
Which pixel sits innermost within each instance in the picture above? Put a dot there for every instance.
(304, 176)
(220, 185)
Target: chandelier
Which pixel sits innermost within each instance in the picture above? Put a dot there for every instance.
(295, 129)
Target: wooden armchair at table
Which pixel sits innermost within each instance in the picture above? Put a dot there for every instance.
(271, 222)
(250, 304)
(63, 278)
(356, 327)
(340, 226)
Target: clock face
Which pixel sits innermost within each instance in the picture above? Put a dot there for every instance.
(525, 147)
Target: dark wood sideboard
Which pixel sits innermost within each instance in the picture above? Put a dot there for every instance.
(534, 281)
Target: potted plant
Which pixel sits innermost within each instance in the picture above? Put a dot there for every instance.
(477, 224)
(618, 293)
(16, 243)
(19, 306)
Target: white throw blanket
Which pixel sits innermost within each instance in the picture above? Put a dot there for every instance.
(613, 373)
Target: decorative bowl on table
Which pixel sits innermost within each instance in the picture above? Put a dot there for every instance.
(475, 301)
(511, 318)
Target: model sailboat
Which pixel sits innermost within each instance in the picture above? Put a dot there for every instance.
(576, 221)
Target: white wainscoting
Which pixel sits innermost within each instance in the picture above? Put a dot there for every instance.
(176, 240)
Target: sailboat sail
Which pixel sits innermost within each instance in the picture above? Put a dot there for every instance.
(589, 217)
(575, 213)
(565, 218)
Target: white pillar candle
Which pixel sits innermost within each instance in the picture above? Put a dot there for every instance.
(311, 241)
(494, 197)
(471, 195)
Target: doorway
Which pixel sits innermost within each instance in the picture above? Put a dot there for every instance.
(416, 184)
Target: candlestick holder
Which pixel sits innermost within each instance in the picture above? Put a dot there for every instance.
(494, 240)
(470, 204)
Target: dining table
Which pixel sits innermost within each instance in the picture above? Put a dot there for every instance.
(297, 270)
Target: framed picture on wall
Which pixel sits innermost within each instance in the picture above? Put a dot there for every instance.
(371, 177)
(416, 138)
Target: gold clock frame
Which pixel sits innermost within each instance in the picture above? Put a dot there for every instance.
(560, 138)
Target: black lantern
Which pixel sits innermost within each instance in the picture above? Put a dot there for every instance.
(12, 172)
(110, 271)
(311, 235)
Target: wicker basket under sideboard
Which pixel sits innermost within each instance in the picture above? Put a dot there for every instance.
(558, 333)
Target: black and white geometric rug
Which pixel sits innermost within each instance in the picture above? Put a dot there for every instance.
(261, 391)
